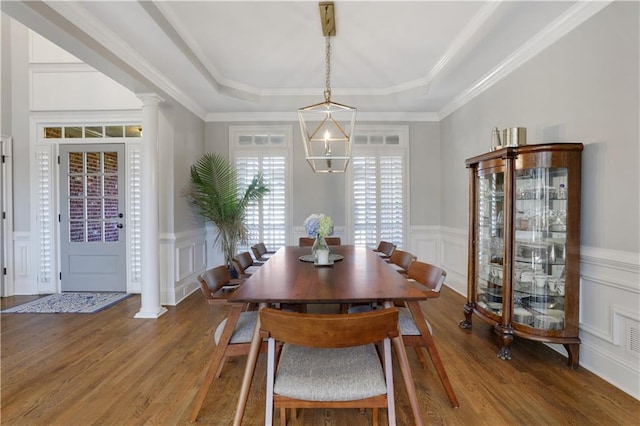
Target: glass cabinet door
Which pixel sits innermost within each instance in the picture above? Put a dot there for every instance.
(490, 241)
(540, 213)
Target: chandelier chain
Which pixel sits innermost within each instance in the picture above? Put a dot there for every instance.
(327, 92)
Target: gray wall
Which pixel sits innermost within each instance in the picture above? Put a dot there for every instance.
(584, 88)
(17, 90)
(188, 146)
(318, 192)
(5, 73)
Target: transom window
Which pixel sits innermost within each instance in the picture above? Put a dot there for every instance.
(109, 131)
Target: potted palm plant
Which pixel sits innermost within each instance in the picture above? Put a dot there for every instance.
(215, 192)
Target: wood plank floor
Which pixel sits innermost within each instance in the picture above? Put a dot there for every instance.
(109, 368)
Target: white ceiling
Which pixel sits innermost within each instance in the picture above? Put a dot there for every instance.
(390, 59)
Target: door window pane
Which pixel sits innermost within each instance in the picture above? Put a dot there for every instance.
(76, 231)
(76, 209)
(94, 232)
(110, 185)
(94, 186)
(76, 186)
(110, 208)
(111, 233)
(110, 162)
(93, 162)
(94, 208)
(76, 162)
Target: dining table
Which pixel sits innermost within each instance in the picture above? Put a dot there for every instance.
(354, 275)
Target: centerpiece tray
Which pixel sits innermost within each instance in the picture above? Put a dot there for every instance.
(332, 258)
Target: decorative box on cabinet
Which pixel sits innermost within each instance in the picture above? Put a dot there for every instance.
(524, 244)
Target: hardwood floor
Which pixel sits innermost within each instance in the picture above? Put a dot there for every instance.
(109, 368)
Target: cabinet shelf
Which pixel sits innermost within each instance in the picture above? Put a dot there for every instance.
(524, 278)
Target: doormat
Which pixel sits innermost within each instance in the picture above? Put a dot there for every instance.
(68, 303)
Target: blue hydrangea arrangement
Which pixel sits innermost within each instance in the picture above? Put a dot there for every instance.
(318, 224)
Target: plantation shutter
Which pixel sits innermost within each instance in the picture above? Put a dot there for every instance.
(266, 219)
(365, 184)
(391, 199)
(378, 178)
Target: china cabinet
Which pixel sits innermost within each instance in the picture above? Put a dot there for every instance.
(524, 244)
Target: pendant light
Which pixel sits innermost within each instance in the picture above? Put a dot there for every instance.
(327, 127)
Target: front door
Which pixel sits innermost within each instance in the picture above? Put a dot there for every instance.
(92, 243)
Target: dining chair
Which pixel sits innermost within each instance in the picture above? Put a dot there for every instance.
(329, 361)
(245, 265)
(306, 241)
(233, 335)
(384, 249)
(333, 241)
(429, 279)
(400, 260)
(260, 252)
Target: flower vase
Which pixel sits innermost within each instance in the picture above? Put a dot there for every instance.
(318, 244)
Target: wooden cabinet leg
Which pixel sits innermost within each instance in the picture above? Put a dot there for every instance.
(506, 338)
(573, 351)
(468, 312)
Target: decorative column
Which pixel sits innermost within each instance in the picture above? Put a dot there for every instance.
(149, 244)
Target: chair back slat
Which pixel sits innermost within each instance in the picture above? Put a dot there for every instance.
(402, 258)
(386, 247)
(329, 330)
(428, 275)
(213, 280)
(256, 252)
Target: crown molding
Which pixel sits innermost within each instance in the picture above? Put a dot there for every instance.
(96, 30)
(553, 32)
(293, 116)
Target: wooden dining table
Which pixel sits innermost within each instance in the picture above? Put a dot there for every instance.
(357, 275)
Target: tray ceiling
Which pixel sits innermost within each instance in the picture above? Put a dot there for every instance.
(219, 58)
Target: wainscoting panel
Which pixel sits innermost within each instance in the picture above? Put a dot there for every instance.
(185, 254)
(454, 258)
(424, 243)
(610, 316)
(25, 281)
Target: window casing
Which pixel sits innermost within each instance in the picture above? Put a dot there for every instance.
(377, 181)
(266, 150)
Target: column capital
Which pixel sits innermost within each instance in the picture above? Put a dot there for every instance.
(149, 99)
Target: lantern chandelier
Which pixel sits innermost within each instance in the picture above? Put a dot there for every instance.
(327, 127)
